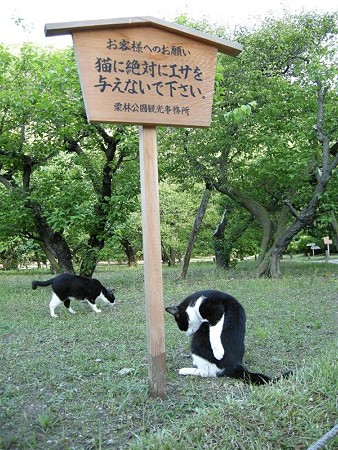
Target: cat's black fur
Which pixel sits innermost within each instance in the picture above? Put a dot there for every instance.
(212, 307)
(67, 286)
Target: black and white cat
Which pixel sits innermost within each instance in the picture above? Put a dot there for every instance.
(216, 322)
(67, 287)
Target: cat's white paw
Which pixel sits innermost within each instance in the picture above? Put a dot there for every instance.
(189, 371)
(95, 308)
(218, 352)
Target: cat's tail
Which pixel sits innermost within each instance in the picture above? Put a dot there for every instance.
(36, 283)
(255, 378)
(259, 378)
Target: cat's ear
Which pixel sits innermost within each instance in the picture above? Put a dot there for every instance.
(172, 310)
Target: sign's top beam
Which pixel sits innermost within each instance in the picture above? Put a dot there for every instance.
(228, 47)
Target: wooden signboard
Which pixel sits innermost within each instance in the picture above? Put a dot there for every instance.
(145, 76)
(148, 72)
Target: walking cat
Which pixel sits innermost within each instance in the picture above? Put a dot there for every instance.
(216, 322)
(67, 287)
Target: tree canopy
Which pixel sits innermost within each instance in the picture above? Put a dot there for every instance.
(270, 154)
(272, 145)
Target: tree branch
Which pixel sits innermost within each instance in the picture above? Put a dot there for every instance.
(5, 182)
(292, 209)
(74, 146)
(319, 127)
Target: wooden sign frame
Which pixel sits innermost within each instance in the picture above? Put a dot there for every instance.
(148, 72)
(145, 76)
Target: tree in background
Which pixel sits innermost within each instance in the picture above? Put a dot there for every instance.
(271, 152)
(272, 143)
(63, 179)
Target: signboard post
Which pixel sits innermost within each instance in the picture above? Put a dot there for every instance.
(148, 72)
(152, 261)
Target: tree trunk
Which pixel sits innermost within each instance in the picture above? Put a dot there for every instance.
(165, 255)
(194, 232)
(274, 263)
(261, 215)
(263, 264)
(168, 255)
(222, 257)
(103, 191)
(53, 243)
(257, 211)
(129, 251)
(91, 257)
(172, 257)
(223, 248)
(54, 267)
(334, 226)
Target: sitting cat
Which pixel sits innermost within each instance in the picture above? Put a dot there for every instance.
(216, 322)
(67, 286)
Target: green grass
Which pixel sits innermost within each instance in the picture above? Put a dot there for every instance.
(60, 386)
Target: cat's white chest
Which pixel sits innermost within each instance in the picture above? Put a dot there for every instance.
(194, 316)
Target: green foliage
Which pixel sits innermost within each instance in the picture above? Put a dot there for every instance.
(177, 213)
(238, 115)
(263, 141)
(51, 157)
(65, 194)
(299, 245)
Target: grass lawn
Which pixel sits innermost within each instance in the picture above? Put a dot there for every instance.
(60, 386)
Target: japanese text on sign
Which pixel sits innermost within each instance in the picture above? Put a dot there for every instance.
(166, 79)
(139, 47)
